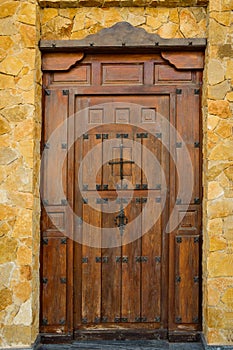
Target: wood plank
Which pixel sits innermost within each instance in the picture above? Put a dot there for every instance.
(54, 278)
(111, 270)
(91, 270)
(187, 281)
(53, 191)
(131, 269)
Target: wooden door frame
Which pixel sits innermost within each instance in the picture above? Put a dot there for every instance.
(120, 39)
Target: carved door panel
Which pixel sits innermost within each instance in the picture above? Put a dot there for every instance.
(121, 221)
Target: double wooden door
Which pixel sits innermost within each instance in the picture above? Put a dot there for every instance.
(117, 130)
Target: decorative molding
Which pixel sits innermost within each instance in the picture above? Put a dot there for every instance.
(125, 36)
(60, 61)
(121, 3)
(185, 60)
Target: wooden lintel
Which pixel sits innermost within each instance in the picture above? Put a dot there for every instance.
(60, 61)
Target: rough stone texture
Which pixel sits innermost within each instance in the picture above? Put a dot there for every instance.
(167, 22)
(20, 101)
(218, 176)
(120, 3)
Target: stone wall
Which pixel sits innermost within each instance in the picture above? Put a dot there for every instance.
(218, 175)
(76, 23)
(20, 101)
(22, 24)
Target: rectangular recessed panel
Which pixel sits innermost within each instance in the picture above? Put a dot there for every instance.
(188, 220)
(167, 73)
(148, 115)
(122, 74)
(80, 75)
(122, 115)
(56, 220)
(96, 116)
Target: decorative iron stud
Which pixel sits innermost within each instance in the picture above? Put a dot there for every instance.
(197, 144)
(144, 186)
(196, 239)
(65, 92)
(104, 319)
(124, 319)
(84, 320)
(45, 202)
(64, 240)
(158, 135)
(64, 145)
(85, 201)
(85, 136)
(178, 201)
(85, 187)
(117, 319)
(44, 321)
(63, 280)
(62, 321)
(197, 92)
(64, 202)
(97, 320)
(45, 241)
(98, 259)
(47, 92)
(178, 91)
(178, 279)
(46, 145)
(85, 260)
(118, 259)
(125, 259)
(196, 279)
(98, 136)
(105, 187)
(178, 144)
(98, 187)
(197, 200)
(137, 186)
(158, 259)
(178, 239)
(157, 319)
(105, 136)
(45, 280)
(178, 319)
(158, 187)
(158, 199)
(195, 319)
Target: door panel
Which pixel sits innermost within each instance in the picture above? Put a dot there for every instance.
(124, 269)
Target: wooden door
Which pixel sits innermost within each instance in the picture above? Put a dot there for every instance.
(113, 175)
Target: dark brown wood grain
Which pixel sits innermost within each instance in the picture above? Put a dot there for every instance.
(129, 287)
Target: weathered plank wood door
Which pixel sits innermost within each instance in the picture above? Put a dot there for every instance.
(114, 175)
